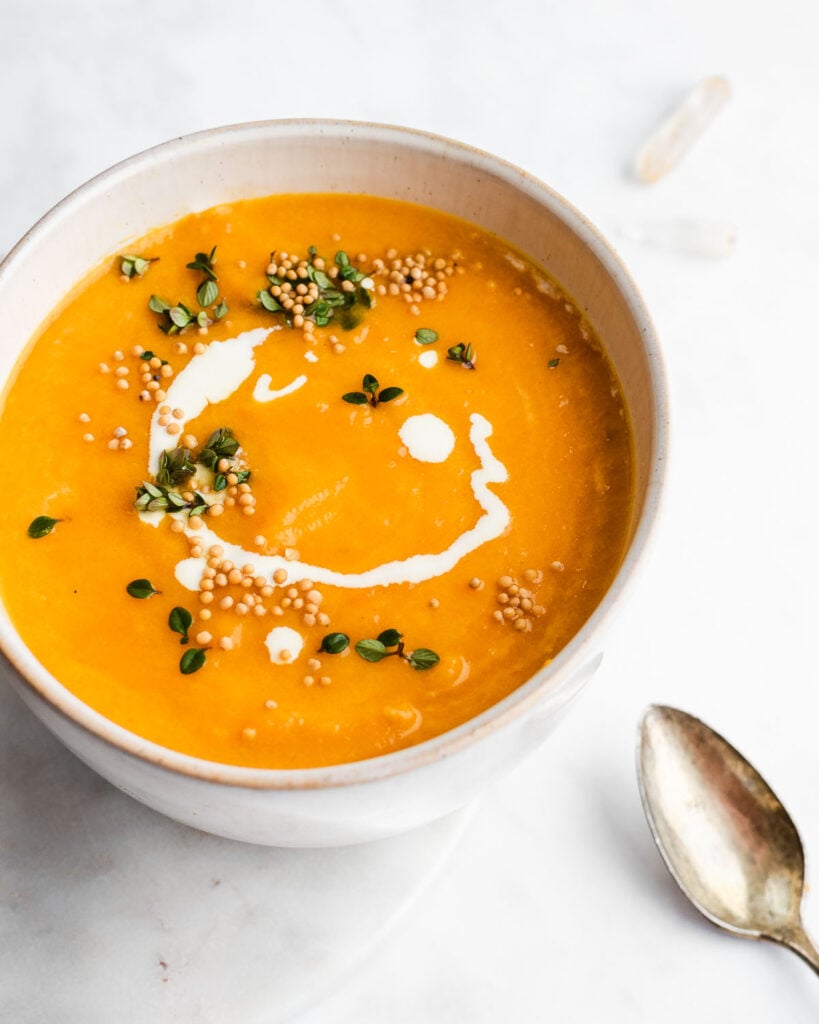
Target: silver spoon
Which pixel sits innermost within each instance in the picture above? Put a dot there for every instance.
(725, 837)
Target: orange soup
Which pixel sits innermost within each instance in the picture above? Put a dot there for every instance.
(309, 479)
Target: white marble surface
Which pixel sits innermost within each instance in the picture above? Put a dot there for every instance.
(554, 904)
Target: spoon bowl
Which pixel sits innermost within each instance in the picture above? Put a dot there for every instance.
(723, 833)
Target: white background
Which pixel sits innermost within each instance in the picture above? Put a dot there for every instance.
(554, 904)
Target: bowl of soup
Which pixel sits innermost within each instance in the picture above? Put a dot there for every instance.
(343, 443)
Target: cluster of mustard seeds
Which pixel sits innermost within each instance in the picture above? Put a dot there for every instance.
(241, 591)
(519, 603)
(297, 292)
(419, 277)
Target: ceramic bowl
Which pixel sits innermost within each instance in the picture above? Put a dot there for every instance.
(384, 795)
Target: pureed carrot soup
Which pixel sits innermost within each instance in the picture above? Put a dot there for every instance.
(306, 508)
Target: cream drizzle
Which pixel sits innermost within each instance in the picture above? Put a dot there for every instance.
(264, 393)
(414, 569)
(207, 379)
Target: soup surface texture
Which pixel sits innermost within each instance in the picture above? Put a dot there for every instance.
(317, 505)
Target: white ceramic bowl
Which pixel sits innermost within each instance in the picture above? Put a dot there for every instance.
(378, 797)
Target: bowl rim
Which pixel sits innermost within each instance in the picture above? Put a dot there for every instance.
(549, 680)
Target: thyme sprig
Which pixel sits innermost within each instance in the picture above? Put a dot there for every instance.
(420, 659)
(174, 319)
(157, 498)
(131, 265)
(463, 354)
(203, 261)
(371, 394)
(175, 467)
(178, 465)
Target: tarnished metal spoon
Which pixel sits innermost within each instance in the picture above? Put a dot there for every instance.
(724, 835)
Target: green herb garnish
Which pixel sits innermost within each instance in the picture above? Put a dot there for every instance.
(192, 660)
(553, 363)
(334, 643)
(426, 336)
(340, 298)
(371, 395)
(375, 650)
(41, 526)
(175, 467)
(132, 265)
(180, 621)
(220, 445)
(463, 354)
(207, 293)
(157, 498)
(203, 261)
(178, 465)
(142, 589)
(176, 318)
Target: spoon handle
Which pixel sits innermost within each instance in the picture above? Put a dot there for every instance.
(798, 941)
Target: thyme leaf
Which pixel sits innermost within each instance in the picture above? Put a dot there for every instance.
(180, 621)
(371, 650)
(142, 589)
(422, 659)
(192, 660)
(207, 293)
(334, 643)
(41, 526)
